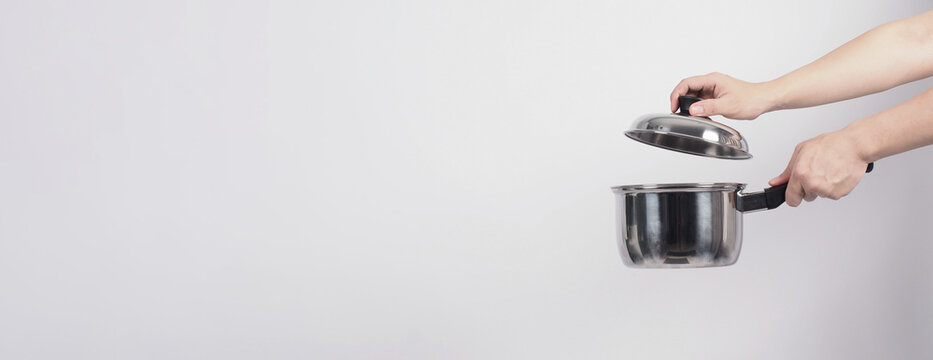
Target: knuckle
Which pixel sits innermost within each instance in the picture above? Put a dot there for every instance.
(814, 186)
(806, 184)
(802, 173)
(836, 195)
(824, 191)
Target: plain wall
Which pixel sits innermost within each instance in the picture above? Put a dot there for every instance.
(425, 180)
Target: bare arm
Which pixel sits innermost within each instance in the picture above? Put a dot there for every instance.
(832, 164)
(889, 55)
(904, 127)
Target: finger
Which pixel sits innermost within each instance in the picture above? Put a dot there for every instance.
(705, 108)
(781, 179)
(810, 196)
(795, 192)
(697, 84)
(679, 90)
(785, 176)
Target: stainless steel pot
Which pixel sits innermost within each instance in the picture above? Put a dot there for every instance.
(685, 225)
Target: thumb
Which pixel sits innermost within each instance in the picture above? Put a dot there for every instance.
(708, 107)
(784, 178)
(781, 179)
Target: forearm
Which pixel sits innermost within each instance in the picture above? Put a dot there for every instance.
(887, 56)
(904, 127)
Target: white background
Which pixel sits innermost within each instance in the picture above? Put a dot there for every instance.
(425, 180)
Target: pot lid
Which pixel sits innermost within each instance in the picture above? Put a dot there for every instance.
(697, 135)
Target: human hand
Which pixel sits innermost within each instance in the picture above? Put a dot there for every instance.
(726, 96)
(828, 166)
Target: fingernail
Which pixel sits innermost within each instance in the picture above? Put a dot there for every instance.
(696, 109)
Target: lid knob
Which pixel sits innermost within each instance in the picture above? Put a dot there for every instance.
(684, 102)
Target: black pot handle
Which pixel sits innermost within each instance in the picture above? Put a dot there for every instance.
(770, 198)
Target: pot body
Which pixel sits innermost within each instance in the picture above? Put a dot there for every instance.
(678, 225)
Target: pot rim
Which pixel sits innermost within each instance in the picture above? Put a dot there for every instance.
(672, 187)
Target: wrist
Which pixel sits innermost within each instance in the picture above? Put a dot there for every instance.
(773, 95)
(868, 145)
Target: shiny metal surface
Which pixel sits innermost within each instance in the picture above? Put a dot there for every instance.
(678, 225)
(690, 134)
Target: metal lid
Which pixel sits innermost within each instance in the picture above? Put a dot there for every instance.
(697, 135)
